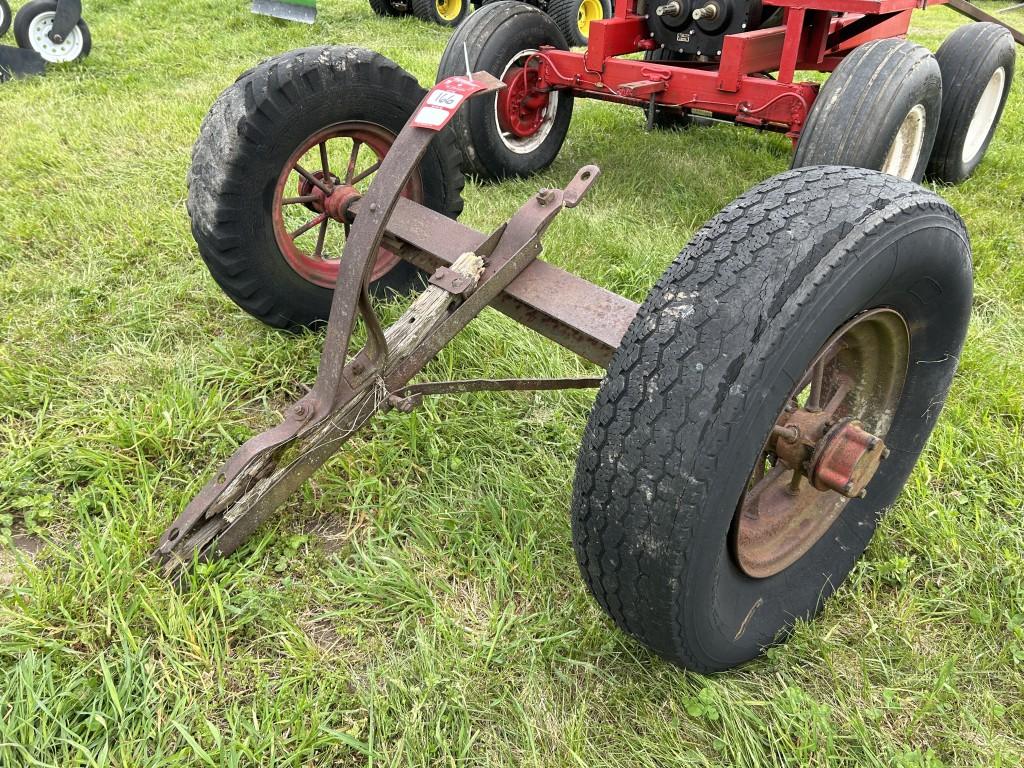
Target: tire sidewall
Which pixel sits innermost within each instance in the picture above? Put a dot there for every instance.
(961, 100)
(912, 268)
(519, 32)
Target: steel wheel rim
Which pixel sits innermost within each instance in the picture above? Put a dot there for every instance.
(448, 10)
(55, 53)
(525, 145)
(905, 151)
(984, 115)
(856, 378)
(590, 10)
(317, 214)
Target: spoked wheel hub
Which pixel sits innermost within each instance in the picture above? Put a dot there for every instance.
(826, 445)
(328, 173)
(522, 106)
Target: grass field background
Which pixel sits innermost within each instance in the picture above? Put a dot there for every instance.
(419, 603)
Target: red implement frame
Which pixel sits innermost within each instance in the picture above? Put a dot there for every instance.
(735, 84)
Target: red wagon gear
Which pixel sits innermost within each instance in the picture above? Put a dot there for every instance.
(889, 105)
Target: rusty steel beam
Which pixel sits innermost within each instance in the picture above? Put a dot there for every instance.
(580, 316)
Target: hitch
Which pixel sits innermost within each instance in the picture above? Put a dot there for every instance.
(350, 389)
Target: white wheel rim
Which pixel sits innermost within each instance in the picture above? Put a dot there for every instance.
(57, 53)
(526, 145)
(984, 115)
(905, 152)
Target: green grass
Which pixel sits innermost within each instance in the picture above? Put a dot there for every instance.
(419, 603)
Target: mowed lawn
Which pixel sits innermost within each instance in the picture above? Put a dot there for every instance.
(419, 602)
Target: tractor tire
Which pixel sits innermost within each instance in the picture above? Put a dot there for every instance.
(32, 25)
(879, 110)
(708, 367)
(5, 17)
(446, 13)
(977, 63)
(573, 17)
(390, 7)
(240, 193)
(497, 37)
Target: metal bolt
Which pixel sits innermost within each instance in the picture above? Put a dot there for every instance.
(357, 368)
(301, 410)
(669, 9)
(847, 489)
(885, 453)
(373, 207)
(863, 493)
(545, 196)
(872, 443)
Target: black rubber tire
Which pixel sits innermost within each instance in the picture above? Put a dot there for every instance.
(968, 59)
(390, 7)
(704, 369)
(856, 116)
(565, 14)
(492, 36)
(5, 17)
(427, 11)
(28, 12)
(246, 140)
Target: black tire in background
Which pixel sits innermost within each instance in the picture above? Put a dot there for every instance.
(566, 13)
(977, 62)
(884, 96)
(5, 17)
(245, 142)
(701, 375)
(669, 119)
(74, 48)
(446, 13)
(390, 7)
(493, 36)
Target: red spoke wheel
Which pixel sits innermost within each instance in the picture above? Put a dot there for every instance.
(766, 406)
(311, 208)
(280, 160)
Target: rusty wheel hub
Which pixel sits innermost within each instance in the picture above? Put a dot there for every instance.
(826, 445)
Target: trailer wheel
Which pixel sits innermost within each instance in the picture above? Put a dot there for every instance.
(282, 154)
(977, 62)
(518, 131)
(390, 7)
(573, 17)
(809, 331)
(5, 17)
(878, 110)
(447, 13)
(32, 27)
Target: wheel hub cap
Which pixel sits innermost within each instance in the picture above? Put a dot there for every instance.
(521, 105)
(826, 446)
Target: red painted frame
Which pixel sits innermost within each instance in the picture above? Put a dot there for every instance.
(814, 35)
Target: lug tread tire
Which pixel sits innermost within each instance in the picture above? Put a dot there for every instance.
(854, 119)
(386, 8)
(967, 59)
(689, 394)
(229, 223)
(565, 14)
(426, 10)
(29, 11)
(487, 26)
